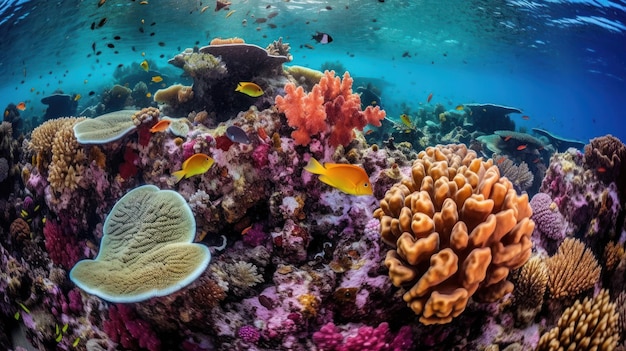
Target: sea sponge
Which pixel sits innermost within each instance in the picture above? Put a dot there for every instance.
(588, 325)
(105, 128)
(146, 249)
(572, 270)
(174, 95)
(456, 228)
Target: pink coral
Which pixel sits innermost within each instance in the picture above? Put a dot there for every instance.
(331, 338)
(62, 247)
(330, 108)
(126, 328)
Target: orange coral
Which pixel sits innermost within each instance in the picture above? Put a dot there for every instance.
(329, 109)
(456, 228)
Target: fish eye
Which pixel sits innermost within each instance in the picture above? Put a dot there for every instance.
(366, 184)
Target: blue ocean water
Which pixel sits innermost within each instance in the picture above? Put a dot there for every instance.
(562, 62)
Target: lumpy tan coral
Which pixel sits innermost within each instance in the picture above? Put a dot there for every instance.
(456, 229)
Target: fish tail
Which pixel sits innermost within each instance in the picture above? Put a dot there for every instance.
(315, 167)
(179, 175)
(239, 87)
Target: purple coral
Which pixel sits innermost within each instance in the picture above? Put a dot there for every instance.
(549, 222)
(328, 337)
(126, 328)
(249, 334)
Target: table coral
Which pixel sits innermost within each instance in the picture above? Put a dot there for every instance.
(456, 228)
(330, 108)
(587, 325)
(146, 249)
(105, 128)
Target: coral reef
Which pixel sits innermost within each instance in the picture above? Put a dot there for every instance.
(461, 224)
(531, 282)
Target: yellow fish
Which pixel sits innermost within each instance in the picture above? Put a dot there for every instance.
(144, 64)
(157, 79)
(194, 165)
(249, 88)
(348, 178)
(77, 97)
(459, 108)
(406, 120)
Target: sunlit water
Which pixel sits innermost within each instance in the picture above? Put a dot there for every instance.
(561, 62)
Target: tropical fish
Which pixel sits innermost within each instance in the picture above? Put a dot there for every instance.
(194, 165)
(459, 107)
(230, 13)
(161, 126)
(101, 2)
(237, 135)
(143, 3)
(406, 120)
(430, 97)
(348, 178)
(261, 133)
(521, 147)
(144, 64)
(525, 117)
(148, 95)
(322, 38)
(204, 9)
(21, 106)
(157, 79)
(77, 97)
(249, 88)
(507, 138)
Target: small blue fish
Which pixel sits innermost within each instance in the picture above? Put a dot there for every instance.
(237, 135)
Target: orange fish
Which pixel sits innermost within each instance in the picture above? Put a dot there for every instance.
(507, 138)
(21, 106)
(262, 133)
(194, 165)
(246, 230)
(348, 178)
(525, 117)
(161, 126)
(521, 147)
(601, 169)
(430, 97)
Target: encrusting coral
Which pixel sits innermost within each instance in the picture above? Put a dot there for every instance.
(329, 109)
(587, 325)
(456, 228)
(572, 270)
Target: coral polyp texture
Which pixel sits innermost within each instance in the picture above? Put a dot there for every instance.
(456, 229)
(588, 325)
(146, 249)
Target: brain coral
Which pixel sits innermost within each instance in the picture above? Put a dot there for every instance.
(456, 228)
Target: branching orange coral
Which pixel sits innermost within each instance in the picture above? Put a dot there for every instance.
(572, 270)
(329, 109)
(456, 228)
(590, 325)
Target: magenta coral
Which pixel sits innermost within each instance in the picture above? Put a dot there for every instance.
(126, 328)
(62, 247)
(331, 338)
(330, 108)
(249, 334)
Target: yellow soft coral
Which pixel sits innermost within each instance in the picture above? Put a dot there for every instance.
(456, 228)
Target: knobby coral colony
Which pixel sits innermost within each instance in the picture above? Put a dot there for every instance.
(258, 254)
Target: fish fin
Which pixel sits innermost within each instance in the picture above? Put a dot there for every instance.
(239, 87)
(179, 175)
(315, 167)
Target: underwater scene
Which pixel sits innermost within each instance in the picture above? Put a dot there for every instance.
(377, 175)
